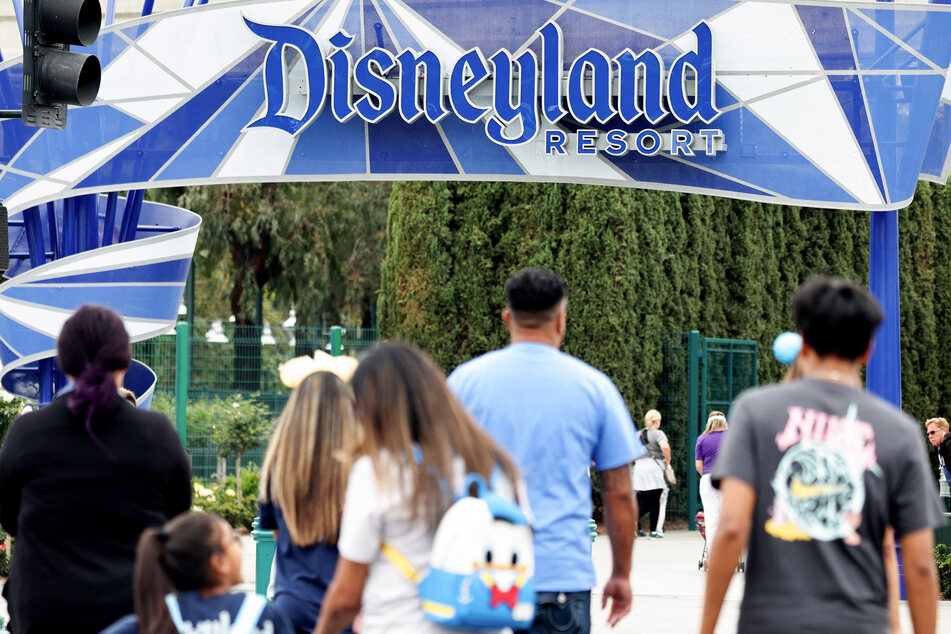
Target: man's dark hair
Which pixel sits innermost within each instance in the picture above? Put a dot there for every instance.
(836, 316)
(533, 296)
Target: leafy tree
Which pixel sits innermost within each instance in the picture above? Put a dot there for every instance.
(242, 424)
(314, 246)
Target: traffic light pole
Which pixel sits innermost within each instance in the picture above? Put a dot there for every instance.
(11, 114)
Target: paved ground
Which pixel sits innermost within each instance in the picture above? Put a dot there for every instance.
(668, 588)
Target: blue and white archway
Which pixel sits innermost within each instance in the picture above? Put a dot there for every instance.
(842, 104)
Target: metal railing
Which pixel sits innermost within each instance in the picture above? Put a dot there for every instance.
(225, 359)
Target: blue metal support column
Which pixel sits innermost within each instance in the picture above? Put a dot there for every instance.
(87, 214)
(130, 216)
(109, 222)
(884, 368)
(54, 233)
(70, 228)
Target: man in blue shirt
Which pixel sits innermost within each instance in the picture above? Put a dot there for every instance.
(556, 415)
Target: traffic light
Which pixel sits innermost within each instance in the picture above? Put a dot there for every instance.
(52, 75)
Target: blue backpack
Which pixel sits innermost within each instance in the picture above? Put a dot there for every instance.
(482, 566)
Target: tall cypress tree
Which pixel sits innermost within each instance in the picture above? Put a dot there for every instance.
(418, 298)
(919, 342)
(942, 296)
(639, 263)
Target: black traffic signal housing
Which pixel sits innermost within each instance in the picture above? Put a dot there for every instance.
(52, 75)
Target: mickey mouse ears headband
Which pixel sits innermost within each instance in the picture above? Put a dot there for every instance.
(296, 370)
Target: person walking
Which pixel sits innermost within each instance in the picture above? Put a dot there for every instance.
(556, 415)
(417, 445)
(813, 472)
(301, 493)
(708, 446)
(649, 481)
(80, 479)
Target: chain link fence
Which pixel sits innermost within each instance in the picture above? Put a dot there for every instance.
(227, 359)
(673, 404)
(722, 368)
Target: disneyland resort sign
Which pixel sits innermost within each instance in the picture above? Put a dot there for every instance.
(629, 86)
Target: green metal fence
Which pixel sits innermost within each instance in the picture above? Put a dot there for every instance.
(225, 359)
(698, 375)
(674, 406)
(729, 367)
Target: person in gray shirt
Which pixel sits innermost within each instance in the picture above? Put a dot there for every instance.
(812, 474)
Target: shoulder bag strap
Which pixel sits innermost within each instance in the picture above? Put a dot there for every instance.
(401, 562)
(247, 617)
(175, 610)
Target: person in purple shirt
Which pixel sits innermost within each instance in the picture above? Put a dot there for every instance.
(708, 445)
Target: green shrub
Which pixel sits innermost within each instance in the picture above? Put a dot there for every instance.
(238, 514)
(250, 478)
(4, 555)
(942, 555)
(9, 410)
(222, 498)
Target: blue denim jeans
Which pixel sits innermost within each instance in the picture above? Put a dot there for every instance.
(562, 613)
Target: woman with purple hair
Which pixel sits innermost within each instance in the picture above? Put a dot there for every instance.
(80, 479)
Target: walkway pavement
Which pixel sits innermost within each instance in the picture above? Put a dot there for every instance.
(668, 588)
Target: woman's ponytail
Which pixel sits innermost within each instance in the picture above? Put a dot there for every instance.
(150, 584)
(92, 346)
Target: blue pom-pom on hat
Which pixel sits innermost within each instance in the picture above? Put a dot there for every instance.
(786, 346)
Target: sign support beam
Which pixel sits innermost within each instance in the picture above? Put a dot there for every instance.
(884, 368)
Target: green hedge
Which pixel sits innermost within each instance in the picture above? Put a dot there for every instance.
(639, 263)
(942, 555)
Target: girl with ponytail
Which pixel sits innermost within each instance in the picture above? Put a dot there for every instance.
(184, 572)
(303, 482)
(80, 479)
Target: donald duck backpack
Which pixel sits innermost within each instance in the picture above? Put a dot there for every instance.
(482, 566)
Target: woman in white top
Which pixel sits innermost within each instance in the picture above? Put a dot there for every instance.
(416, 438)
(649, 482)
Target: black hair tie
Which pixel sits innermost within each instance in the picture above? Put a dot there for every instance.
(162, 536)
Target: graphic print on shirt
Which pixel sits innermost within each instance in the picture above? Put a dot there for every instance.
(223, 625)
(820, 481)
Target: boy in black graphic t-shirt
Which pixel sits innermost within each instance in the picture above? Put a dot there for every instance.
(812, 473)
